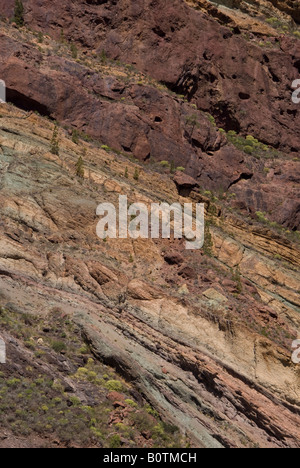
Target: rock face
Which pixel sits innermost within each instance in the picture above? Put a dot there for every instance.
(127, 112)
(248, 91)
(205, 336)
(209, 344)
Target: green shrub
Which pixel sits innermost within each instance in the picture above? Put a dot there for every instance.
(115, 442)
(103, 57)
(19, 13)
(158, 431)
(54, 145)
(106, 148)
(273, 21)
(80, 168)
(75, 136)
(84, 349)
(248, 149)
(74, 51)
(114, 386)
(151, 411)
(211, 119)
(131, 403)
(13, 382)
(58, 346)
(261, 217)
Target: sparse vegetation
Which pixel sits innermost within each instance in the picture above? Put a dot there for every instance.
(74, 51)
(236, 276)
(282, 27)
(208, 242)
(192, 122)
(80, 168)
(211, 119)
(261, 217)
(62, 37)
(106, 148)
(54, 145)
(19, 13)
(252, 146)
(36, 403)
(75, 136)
(103, 57)
(58, 346)
(114, 385)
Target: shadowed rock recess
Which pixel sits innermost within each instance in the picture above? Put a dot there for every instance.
(142, 343)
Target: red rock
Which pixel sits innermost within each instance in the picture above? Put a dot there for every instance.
(209, 160)
(119, 404)
(187, 272)
(184, 183)
(116, 396)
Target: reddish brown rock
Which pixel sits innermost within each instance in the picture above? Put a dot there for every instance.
(192, 54)
(184, 183)
(156, 125)
(174, 258)
(116, 396)
(119, 404)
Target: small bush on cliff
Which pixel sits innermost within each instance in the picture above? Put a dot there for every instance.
(74, 51)
(193, 123)
(80, 168)
(75, 136)
(54, 146)
(58, 346)
(261, 217)
(19, 13)
(114, 386)
(115, 442)
(103, 57)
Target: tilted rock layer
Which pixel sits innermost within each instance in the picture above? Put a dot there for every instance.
(209, 349)
(244, 85)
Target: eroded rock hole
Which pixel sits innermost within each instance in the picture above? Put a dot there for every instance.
(26, 103)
